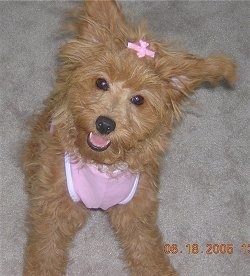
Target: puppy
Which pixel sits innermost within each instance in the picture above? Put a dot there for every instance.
(99, 140)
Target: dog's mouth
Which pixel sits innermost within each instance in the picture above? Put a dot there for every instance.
(97, 142)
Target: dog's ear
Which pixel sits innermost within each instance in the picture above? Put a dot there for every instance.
(96, 21)
(183, 73)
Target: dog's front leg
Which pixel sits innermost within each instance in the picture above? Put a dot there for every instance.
(49, 237)
(53, 218)
(135, 225)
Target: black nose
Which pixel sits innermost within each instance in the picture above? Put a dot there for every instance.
(105, 125)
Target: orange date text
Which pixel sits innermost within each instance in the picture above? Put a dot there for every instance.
(208, 249)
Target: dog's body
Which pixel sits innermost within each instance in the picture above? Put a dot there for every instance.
(116, 97)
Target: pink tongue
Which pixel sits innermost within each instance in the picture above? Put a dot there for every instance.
(98, 141)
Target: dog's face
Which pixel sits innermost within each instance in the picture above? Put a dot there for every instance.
(113, 106)
(116, 104)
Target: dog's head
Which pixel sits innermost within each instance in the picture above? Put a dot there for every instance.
(116, 98)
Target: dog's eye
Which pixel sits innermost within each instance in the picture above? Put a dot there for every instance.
(137, 100)
(102, 84)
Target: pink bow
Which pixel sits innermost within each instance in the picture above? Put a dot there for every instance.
(141, 50)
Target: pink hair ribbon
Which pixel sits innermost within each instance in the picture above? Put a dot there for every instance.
(141, 49)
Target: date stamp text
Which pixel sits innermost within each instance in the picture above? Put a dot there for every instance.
(208, 249)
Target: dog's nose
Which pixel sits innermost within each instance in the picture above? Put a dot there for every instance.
(105, 125)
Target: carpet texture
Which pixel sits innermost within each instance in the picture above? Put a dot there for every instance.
(205, 181)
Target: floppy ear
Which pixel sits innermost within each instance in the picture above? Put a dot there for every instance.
(184, 73)
(96, 21)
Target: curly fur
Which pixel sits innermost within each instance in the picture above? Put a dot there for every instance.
(98, 49)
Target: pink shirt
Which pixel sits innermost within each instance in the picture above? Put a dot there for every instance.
(98, 189)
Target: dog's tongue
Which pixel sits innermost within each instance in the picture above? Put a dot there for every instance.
(98, 142)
